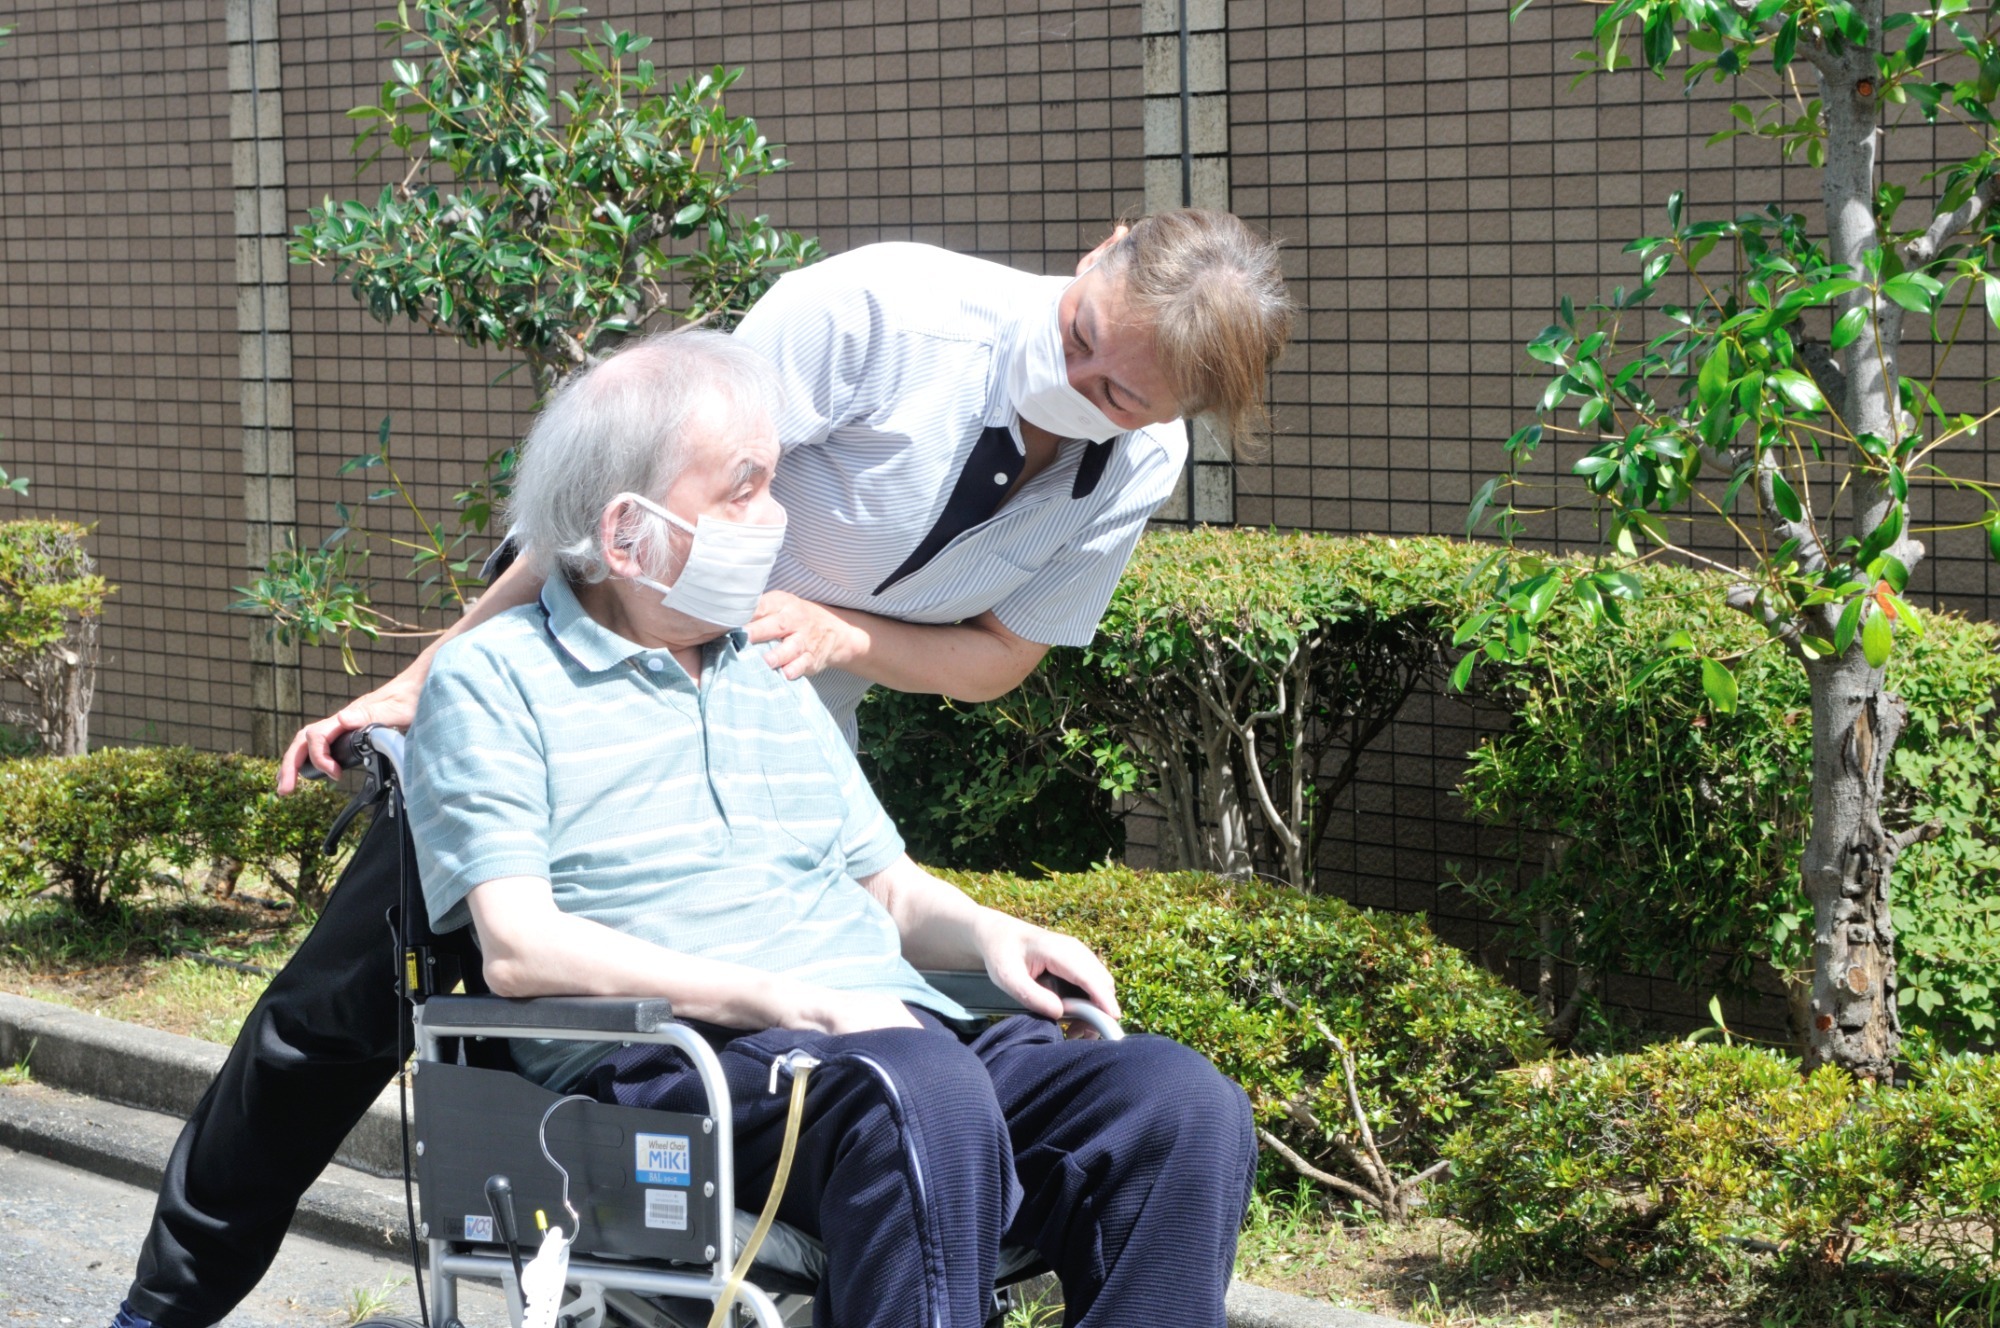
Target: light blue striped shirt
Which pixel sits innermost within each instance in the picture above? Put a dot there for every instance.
(728, 821)
(890, 357)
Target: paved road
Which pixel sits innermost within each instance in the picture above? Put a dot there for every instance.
(68, 1239)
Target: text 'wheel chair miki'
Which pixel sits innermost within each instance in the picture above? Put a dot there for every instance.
(658, 1230)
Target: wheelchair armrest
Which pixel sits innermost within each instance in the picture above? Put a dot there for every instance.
(449, 1016)
(980, 995)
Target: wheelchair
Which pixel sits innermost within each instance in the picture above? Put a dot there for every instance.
(648, 1196)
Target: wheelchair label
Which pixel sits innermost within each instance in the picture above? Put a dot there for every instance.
(478, 1226)
(667, 1209)
(663, 1159)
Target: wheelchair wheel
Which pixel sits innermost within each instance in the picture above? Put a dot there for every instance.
(388, 1321)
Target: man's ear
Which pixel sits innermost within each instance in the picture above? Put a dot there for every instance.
(615, 537)
(1089, 260)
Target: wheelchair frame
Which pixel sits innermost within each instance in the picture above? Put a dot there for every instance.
(613, 1285)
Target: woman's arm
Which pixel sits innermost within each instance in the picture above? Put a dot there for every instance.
(530, 947)
(942, 928)
(394, 703)
(976, 660)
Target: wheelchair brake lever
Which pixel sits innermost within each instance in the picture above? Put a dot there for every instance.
(500, 1198)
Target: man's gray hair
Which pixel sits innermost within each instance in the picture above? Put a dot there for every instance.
(618, 427)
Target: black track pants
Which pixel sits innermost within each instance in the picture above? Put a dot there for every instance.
(321, 1044)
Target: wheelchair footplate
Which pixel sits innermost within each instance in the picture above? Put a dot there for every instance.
(642, 1181)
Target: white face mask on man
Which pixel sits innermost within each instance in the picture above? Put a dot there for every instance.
(727, 566)
(1038, 378)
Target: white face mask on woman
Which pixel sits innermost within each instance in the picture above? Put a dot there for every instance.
(1038, 379)
(727, 566)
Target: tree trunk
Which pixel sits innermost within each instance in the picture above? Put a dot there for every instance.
(1851, 1015)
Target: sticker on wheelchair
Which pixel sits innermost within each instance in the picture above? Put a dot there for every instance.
(662, 1159)
(479, 1226)
(667, 1210)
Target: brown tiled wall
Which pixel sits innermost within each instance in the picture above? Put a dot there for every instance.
(118, 394)
(1437, 181)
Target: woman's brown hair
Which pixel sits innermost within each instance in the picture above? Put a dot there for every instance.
(1212, 293)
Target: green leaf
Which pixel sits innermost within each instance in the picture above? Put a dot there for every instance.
(1990, 285)
(1848, 326)
(1461, 673)
(1786, 499)
(1876, 637)
(1798, 389)
(1786, 44)
(1713, 380)
(1913, 291)
(1850, 618)
(1720, 685)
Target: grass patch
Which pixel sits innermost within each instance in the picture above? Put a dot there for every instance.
(1428, 1273)
(170, 958)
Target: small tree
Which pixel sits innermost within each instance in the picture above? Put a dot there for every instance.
(51, 600)
(544, 211)
(1770, 413)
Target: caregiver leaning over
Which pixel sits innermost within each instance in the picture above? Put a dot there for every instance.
(970, 453)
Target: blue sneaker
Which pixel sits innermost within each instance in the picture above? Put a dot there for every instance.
(127, 1317)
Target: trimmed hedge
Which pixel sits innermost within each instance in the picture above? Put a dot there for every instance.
(1202, 959)
(1676, 830)
(98, 825)
(1688, 1152)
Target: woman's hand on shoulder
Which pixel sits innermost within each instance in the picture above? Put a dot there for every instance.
(808, 638)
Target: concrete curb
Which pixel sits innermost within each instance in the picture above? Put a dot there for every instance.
(131, 1145)
(109, 1097)
(146, 1068)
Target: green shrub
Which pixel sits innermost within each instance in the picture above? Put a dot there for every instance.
(100, 825)
(1256, 977)
(1236, 679)
(1693, 1152)
(969, 789)
(1668, 835)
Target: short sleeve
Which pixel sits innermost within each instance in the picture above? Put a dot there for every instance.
(477, 787)
(1061, 603)
(816, 326)
(868, 838)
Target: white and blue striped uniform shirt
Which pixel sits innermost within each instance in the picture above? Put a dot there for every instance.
(728, 821)
(896, 416)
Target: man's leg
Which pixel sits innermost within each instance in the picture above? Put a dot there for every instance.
(1136, 1160)
(903, 1168)
(323, 1041)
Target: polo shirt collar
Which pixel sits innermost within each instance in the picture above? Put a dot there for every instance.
(593, 645)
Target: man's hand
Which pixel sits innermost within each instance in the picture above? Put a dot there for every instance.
(1017, 953)
(810, 637)
(394, 704)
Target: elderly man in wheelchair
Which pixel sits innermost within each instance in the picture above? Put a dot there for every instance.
(624, 801)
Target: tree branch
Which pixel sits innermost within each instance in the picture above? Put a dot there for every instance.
(1945, 225)
(1916, 834)
(1326, 1178)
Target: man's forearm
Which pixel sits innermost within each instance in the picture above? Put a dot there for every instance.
(976, 660)
(559, 954)
(938, 922)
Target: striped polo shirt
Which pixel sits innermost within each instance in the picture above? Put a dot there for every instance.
(891, 357)
(727, 820)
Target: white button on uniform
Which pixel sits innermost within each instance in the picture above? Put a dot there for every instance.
(999, 477)
(656, 664)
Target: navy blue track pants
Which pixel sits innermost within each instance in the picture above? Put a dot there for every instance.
(1126, 1165)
